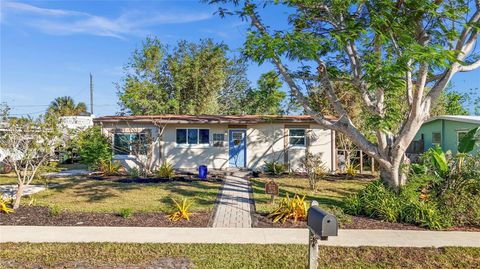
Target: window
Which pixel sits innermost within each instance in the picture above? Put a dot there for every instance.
(436, 138)
(129, 143)
(193, 136)
(218, 140)
(296, 137)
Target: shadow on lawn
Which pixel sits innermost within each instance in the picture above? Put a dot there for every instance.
(200, 193)
(322, 198)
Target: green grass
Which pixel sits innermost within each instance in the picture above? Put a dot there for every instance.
(231, 256)
(80, 195)
(328, 193)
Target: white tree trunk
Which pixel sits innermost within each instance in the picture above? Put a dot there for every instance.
(18, 195)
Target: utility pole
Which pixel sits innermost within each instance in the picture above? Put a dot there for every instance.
(91, 94)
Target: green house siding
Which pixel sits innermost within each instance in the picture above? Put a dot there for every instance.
(448, 130)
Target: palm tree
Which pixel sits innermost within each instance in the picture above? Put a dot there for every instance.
(65, 106)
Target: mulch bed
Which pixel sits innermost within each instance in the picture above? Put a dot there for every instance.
(40, 216)
(358, 222)
(126, 179)
(330, 177)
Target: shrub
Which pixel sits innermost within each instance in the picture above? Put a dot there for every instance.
(339, 213)
(134, 172)
(275, 168)
(181, 210)
(54, 210)
(351, 170)
(93, 146)
(290, 208)
(166, 170)
(5, 205)
(376, 201)
(125, 213)
(109, 167)
(315, 168)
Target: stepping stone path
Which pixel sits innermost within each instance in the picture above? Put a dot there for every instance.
(235, 203)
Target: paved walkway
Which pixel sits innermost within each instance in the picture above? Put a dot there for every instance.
(11, 190)
(68, 173)
(347, 238)
(234, 205)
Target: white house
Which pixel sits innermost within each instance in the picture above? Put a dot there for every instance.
(220, 142)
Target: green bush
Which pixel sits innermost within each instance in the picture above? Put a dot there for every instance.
(379, 202)
(125, 213)
(54, 210)
(94, 146)
(134, 172)
(109, 168)
(275, 168)
(166, 170)
(375, 201)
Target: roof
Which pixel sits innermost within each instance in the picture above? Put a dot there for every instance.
(467, 119)
(228, 119)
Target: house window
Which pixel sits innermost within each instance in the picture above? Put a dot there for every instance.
(129, 144)
(436, 138)
(296, 137)
(218, 140)
(193, 136)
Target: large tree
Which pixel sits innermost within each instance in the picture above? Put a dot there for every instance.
(65, 106)
(267, 98)
(398, 55)
(190, 78)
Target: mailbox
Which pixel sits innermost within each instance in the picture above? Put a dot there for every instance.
(321, 223)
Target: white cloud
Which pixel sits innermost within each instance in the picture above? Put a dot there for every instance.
(68, 22)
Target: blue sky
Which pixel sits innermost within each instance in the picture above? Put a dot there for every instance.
(48, 48)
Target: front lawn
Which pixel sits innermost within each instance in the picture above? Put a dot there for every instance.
(109, 255)
(328, 193)
(85, 195)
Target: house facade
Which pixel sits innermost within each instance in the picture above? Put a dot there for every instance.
(219, 142)
(445, 131)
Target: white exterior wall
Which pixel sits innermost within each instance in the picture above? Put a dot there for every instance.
(191, 156)
(265, 143)
(321, 143)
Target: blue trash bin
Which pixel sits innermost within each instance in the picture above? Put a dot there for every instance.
(202, 171)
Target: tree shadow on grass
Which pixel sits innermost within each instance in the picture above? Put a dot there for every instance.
(201, 194)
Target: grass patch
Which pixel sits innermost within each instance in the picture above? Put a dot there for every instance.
(328, 193)
(80, 195)
(231, 256)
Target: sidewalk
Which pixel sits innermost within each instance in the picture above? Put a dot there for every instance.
(346, 238)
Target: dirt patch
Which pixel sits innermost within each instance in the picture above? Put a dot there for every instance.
(40, 216)
(357, 222)
(167, 263)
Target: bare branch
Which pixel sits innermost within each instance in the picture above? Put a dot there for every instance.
(470, 67)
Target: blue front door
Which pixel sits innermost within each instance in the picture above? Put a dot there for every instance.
(237, 144)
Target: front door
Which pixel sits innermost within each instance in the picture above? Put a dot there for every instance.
(238, 151)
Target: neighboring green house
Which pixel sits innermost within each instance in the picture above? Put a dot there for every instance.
(445, 131)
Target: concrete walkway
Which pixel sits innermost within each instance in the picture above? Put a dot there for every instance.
(9, 191)
(68, 173)
(346, 238)
(234, 205)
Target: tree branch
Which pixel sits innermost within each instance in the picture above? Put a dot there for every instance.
(343, 124)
